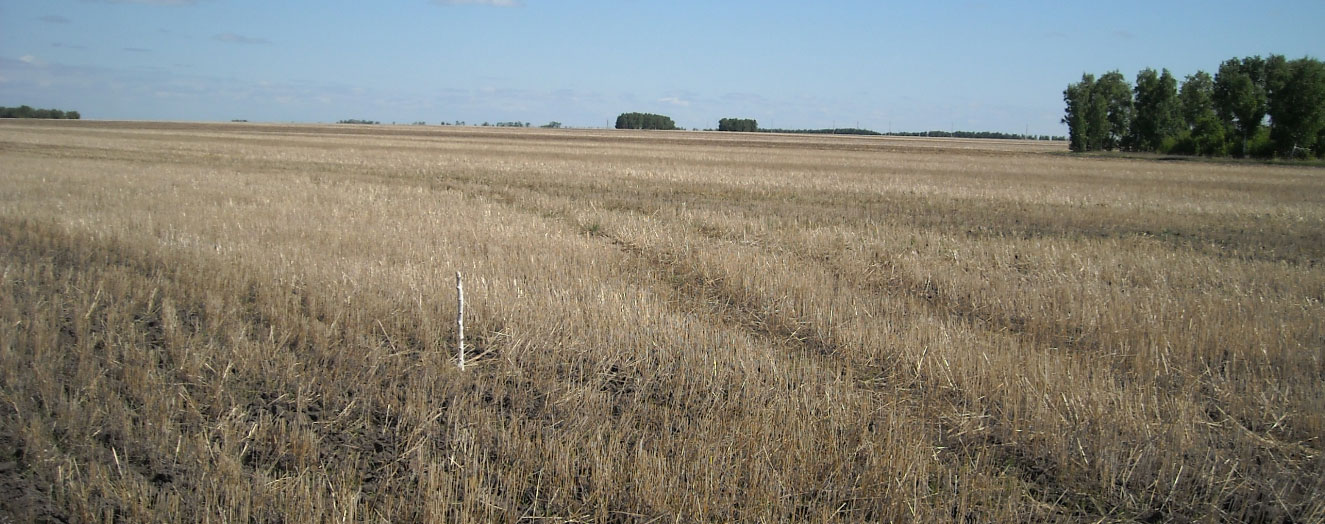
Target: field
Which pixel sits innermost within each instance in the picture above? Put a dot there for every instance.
(227, 323)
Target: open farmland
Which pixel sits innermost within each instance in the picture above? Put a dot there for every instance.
(218, 323)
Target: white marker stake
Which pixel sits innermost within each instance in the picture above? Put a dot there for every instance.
(460, 317)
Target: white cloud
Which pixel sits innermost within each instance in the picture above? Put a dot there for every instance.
(239, 39)
(675, 101)
(31, 60)
(494, 3)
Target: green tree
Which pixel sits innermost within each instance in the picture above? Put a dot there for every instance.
(1208, 138)
(1197, 98)
(1320, 143)
(1157, 115)
(1205, 132)
(644, 121)
(738, 124)
(1077, 96)
(1113, 91)
(31, 112)
(1240, 98)
(1295, 93)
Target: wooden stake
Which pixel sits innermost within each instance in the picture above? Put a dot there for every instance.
(460, 318)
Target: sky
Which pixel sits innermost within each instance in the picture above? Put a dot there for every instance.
(882, 65)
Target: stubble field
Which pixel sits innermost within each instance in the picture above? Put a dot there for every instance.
(222, 323)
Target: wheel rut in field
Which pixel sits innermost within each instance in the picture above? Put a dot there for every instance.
(713, 296)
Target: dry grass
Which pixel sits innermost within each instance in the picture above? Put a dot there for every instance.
(215, 323)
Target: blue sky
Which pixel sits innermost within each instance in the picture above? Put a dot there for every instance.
(905, 66)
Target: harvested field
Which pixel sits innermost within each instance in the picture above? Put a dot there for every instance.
(237, 322)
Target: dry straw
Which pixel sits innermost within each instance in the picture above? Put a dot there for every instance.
(240, 323)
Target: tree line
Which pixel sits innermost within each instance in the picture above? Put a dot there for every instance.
(1250, 107)
(748, 125)
(976, 134)
(652, 121)
(831, 131)
(30, 112)
(644, 121)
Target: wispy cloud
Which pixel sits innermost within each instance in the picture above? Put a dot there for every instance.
(494, 3)
(239, 39)
(31, 60)
(674, 101)
(54, 19)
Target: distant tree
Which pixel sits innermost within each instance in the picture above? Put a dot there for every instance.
(1240, 97)
(1157, 112)
(1295, 94)
(1099, 112)
(1196, 98)
(1078, 114)
(1209, 115)
(738, 124)
(1115, 94)
(1202, 133)
(25, 111)
(1208, 137)
(833, 131)
(551, 125)
(644, 121)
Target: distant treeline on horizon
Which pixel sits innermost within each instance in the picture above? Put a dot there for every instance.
(938, 134)
(31, 112)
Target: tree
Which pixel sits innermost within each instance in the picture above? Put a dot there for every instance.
(1208, 138)
(551, 125)
(1076, 116)
(738, 124)
(1157, 114)
(644, 121)
(1240, 98)
(1197, 98)
(1208, 115)
(1116, 96)
(1205, 132)
(1320, 143)
(1295, 94)
(31, 112)
(1099, 112)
